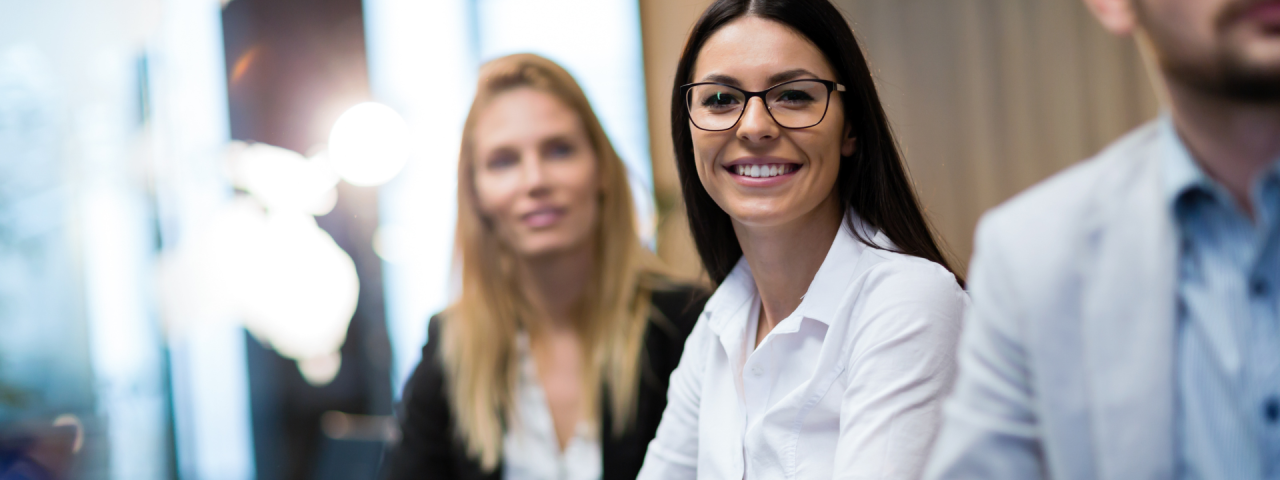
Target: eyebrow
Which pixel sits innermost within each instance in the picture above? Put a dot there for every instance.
(772, 80)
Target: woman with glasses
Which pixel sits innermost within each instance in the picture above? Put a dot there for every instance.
(553, 362)
(829, 343)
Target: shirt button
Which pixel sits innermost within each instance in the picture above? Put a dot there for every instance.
(1258, 286)
(1271, 410)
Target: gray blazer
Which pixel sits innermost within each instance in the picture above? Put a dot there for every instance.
(1067, 359)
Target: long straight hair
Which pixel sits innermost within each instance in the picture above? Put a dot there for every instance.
(872, 183)
(479, 335)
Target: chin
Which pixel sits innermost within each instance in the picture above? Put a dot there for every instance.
(542, 247)
(762, 216)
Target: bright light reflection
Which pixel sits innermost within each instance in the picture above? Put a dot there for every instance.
(294, 287)
(369, 144)
(283, 180)
(262, 258)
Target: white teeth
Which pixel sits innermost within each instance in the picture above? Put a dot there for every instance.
(760, 171)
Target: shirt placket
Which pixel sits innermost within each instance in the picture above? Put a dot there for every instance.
(1264, 307)
(756, 390)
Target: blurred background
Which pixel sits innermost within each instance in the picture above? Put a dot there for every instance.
(224, 224)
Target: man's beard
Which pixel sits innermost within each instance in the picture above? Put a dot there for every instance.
(1225, 73)
(1227, 76)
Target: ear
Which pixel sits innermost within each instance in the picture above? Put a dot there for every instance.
(1117, 16)
(850, 143)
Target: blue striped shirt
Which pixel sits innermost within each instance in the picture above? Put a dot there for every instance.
(1228, 352)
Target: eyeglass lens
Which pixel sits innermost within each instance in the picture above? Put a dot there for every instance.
(797, 104)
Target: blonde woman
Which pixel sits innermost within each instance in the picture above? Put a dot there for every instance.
(554, 361)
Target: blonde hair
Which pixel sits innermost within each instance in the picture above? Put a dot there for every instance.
(479, 337)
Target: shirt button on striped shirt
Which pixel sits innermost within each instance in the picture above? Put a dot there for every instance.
(1258, 286)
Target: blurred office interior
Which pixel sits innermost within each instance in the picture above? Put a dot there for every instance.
(224, 224)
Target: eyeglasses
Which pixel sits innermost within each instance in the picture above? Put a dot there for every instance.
(795, 104)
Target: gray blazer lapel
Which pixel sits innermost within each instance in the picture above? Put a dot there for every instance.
(1128, 319)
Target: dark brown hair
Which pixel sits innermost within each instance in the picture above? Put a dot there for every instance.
(872, 182)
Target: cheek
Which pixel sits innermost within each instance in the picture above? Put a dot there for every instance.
(823, 149)
(494, 194)
(582, 184)
(581, 177)
(706, 148)
(821, 145)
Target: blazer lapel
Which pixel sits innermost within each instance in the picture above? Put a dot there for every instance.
(1129, 322)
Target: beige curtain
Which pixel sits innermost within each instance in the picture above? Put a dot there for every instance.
(987, 97)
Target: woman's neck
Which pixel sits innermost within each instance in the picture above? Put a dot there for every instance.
(554, 284)
(785, 258)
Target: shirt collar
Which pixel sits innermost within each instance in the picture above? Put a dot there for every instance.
(825, 293)
(1182, 173)
(1183, 176)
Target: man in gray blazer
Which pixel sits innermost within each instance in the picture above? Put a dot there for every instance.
(1124, 312)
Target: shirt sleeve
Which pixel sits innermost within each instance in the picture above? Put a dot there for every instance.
(902, 366)
(673, 453)
(990, 428)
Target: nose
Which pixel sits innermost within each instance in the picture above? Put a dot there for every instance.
(535, 175)
(756, 124)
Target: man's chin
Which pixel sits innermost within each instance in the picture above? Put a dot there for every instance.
(1253, 85)
(1232, 79)
(1250, 70)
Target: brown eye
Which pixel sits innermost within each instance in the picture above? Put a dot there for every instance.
(719, 101)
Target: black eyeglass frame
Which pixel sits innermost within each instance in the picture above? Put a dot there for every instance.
(688, 108)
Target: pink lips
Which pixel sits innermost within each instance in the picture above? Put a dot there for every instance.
(1267, 13)
(542, 217)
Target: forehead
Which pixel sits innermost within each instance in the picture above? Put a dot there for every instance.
(751, 49)
(523, 116)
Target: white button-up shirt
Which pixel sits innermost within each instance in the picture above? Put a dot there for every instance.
(849, 385)
(530, 448)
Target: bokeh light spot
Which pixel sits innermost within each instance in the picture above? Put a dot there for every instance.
(369, 144)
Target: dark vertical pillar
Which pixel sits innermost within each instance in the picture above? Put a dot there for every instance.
(293, 66)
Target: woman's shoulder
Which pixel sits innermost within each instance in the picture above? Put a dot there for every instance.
(432, 346)
(679, 304)
(428, 376)
(891, 272)
(426, 384)
(900, 292)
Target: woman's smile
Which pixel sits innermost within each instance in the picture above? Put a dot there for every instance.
(762, 171)
(543, 217)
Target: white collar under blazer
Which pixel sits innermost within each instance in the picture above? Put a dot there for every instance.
(850, 385)
(1067, 357)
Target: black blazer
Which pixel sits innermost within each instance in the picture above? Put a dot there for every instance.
(430, 448)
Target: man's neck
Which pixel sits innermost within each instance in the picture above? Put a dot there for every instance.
(1233, 141)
